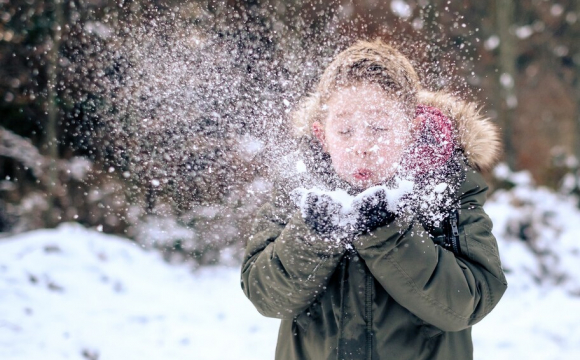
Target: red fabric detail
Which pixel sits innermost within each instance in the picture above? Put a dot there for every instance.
(434, 141)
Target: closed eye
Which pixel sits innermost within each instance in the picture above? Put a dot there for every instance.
(344, 132)
(374, 128)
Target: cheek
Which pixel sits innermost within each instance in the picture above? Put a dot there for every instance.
(336, 147)
(391, 147)
(340, 155)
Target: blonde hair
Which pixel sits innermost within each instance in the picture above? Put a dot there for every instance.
(365, 61)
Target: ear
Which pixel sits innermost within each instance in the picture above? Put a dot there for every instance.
(318, 131)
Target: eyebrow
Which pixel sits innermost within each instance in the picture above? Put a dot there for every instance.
(343, 113)
(371, 125)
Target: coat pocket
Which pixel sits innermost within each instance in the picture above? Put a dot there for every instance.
(304, 319)
(425, 329)
(430, 331)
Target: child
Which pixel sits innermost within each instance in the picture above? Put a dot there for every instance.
(406, 277)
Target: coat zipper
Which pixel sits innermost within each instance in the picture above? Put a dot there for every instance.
(341, 323)
(369, 314)
(455, 233)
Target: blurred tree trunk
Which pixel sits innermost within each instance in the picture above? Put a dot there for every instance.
(52, 104)
(576, 62)
(507, 75)
(433, 26)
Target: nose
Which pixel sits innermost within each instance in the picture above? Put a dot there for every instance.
(361, 150)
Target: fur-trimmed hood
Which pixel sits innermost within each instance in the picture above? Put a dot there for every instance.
(477, 135)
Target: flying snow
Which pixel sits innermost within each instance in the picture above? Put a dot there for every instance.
(347, 214)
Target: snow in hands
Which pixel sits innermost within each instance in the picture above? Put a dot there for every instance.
(340, 214)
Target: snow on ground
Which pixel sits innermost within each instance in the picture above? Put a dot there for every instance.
(538, 324)
(539, 316)
(73, 293)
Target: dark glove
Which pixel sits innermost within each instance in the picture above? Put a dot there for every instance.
(323, 215)
(372, 212)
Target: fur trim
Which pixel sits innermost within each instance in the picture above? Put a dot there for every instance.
(477, 135)
(305, 113)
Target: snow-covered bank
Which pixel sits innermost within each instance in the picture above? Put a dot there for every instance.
(73, 293)
(537, 231)
(537, 324)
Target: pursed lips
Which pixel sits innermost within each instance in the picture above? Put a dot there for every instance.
(362, 174)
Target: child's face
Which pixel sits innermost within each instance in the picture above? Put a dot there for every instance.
(365, 133)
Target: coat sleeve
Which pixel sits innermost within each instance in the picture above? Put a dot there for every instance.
(449, 292)
(286, 266)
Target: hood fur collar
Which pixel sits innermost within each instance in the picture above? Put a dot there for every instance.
(477, 135)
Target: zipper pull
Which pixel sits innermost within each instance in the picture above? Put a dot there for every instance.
(454, 229)
(455, 233)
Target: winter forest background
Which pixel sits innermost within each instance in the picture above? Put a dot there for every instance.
(134, 139)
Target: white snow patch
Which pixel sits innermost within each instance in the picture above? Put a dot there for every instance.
(249, 146)
(401, 8)
(78, 167)
(524, 32)
(439, 188)
(506, 80)
(503, 172)
(491, 43)
(557, 9)
(300, 166)
(161, 230)
(98, 28)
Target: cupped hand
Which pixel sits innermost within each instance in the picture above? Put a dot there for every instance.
(372, 211)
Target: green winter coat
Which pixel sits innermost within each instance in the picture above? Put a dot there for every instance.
(396, 294)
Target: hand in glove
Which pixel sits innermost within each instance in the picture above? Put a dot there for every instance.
(372, 212)
(322, 214)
